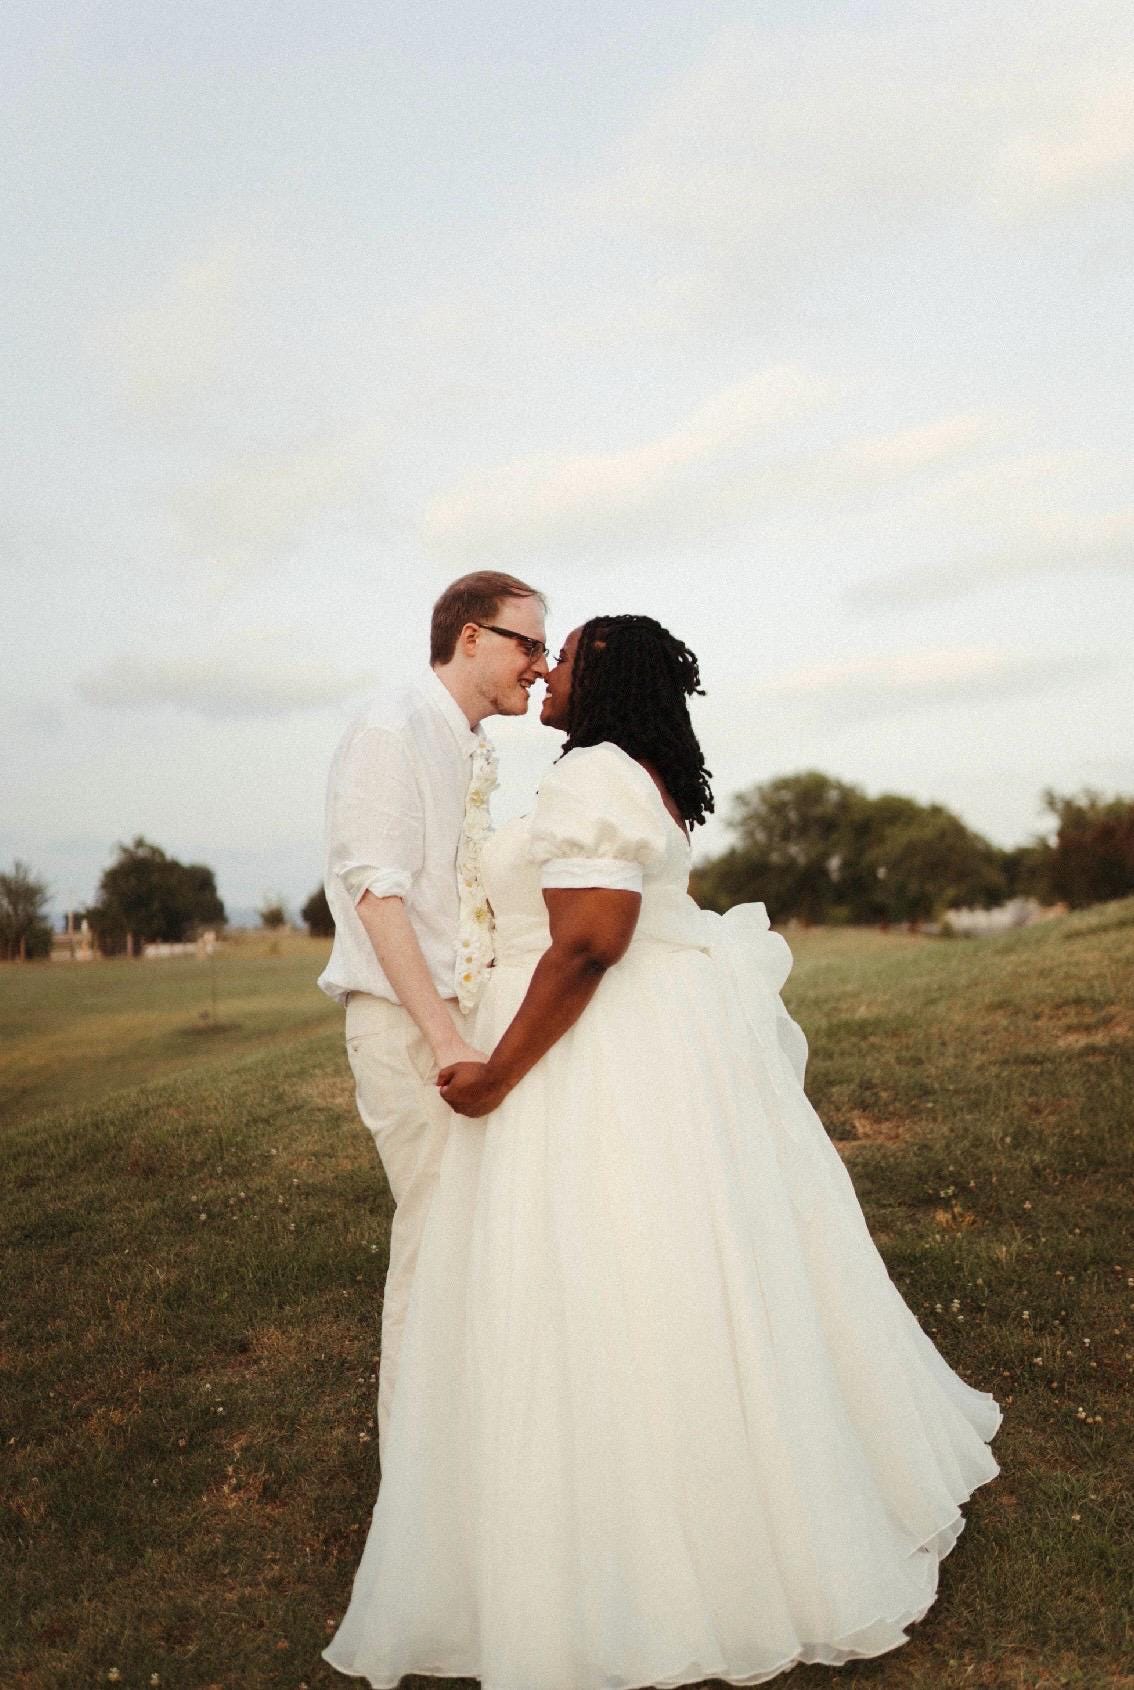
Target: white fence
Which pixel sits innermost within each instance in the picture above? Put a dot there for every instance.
(973, 924)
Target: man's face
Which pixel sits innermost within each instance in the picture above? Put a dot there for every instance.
(505, 672)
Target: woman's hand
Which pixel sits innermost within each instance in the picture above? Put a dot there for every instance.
(470, 1089)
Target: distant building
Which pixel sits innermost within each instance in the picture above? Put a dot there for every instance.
(1018, 912)
(75, 941)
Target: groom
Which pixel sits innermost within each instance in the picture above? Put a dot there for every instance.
(406, 807)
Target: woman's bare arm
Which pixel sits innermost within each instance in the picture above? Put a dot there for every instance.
(590, 930)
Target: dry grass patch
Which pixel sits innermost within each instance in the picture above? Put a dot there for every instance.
(859, 1127)
(1108, 1030)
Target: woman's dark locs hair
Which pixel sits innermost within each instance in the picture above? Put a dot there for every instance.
(629, 685)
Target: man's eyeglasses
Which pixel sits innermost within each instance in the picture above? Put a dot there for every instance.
(533, 649)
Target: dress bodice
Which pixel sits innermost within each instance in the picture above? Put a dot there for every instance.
(601, 808)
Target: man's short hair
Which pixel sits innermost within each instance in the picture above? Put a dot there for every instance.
(474, 598)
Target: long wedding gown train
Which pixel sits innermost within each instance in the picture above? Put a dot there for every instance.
(661, 1414)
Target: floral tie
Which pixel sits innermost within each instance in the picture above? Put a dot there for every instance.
(474, 943)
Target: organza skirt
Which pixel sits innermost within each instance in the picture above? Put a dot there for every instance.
(661, 1415)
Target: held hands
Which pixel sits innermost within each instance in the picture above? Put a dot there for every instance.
(470, 1089)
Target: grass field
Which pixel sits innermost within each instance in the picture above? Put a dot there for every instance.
(196, 1236)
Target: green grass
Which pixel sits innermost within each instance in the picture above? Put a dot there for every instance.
(198, 1234)
(76, 1032)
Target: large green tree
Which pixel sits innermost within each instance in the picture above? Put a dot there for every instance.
(1091, 858)
(819, 849)
(24, 928)
(929, 862)
(152, 897)
(792, 846)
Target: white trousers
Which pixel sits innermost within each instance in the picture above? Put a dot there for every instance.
(394, 1075)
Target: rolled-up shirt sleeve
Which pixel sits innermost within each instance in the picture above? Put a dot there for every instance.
(376, 828)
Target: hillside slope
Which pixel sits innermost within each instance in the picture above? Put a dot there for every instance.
(196, 1264)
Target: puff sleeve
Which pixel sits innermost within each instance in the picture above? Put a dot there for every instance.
(599, 822)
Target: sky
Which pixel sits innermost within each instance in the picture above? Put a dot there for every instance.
(804, 328)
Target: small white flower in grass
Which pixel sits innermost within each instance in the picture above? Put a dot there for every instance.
(155, 1678)
(1076, 1516)
(114, 1676)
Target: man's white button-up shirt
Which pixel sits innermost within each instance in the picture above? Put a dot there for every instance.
(395, 809)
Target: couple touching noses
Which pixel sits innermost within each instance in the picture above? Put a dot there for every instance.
(651, 1410)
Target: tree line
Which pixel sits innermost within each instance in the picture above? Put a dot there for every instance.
(818, 849)
(809, 846)
(144, 897)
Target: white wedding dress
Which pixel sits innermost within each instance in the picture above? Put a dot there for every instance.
(661, 1414)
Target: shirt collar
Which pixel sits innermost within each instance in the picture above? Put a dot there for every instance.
(457, 722)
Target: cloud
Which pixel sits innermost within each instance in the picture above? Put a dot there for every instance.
(884, 456)
(901, 682)
(1084, 147)
(855, 469)
(261, 505)
(1059, 542)
(777, 146)
(175, 344)
(30, 719)
(585, 498)
(224, 685)
(702, 479)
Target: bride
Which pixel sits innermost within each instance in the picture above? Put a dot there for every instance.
(661, 1415)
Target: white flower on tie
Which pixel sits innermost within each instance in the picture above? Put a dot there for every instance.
(474, 939)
